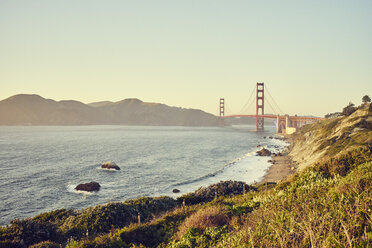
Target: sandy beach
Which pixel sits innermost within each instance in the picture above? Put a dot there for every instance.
(282, 167)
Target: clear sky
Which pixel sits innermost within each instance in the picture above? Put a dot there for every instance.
(314, 56)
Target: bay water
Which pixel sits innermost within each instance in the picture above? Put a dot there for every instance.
(41, 165)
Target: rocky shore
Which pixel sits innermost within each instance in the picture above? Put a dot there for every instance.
(282, 166)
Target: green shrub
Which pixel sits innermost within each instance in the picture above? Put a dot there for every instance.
(56, 216)
(28, 232)
(99, 219)
(196, 237)
(45, 244)
(156, 232)
(223, 188)
(343, 163)
(245, 208)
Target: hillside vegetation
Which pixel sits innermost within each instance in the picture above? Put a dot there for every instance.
(331, 137)
(327, 203)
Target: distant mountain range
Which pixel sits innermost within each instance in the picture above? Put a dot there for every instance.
(27, 109)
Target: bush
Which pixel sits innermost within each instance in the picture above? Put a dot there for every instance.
(223, 188)
(349, 109)
(28, 232)
(99, 219)
(45, 244)
(56, 216)
(156, 232)
(342, 164)
(195, 237)
(206, 217)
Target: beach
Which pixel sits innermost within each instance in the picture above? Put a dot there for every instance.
(282, 166)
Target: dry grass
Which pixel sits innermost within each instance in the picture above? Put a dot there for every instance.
(207, 217)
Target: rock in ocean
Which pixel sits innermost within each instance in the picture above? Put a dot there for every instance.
(90, 187)
(110, 165)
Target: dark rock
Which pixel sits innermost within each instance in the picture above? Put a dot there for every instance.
(270, 161)
(258, 145)
(92, 186)
(176, 191)
(263, 152)
(110, 165)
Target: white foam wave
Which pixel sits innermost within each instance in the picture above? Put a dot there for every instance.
(248, 168)
(106, 169)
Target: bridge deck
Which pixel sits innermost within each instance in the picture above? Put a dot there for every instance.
(298, 118)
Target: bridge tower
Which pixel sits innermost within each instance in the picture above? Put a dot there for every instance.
(259, 106)
(222, 112)
(222, 107)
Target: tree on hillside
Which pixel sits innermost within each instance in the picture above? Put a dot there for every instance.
(333, 115)
(349, 109)
(366, 99)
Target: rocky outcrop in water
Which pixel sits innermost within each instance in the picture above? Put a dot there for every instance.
(90, 187)
(264, 152)
(110, 165)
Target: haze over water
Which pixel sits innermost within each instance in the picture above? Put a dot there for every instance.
(40, 166)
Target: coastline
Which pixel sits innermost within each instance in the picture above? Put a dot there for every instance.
(282, 166)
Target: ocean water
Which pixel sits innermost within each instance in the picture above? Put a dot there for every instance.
(40, 166)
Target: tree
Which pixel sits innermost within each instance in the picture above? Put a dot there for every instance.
(366, 99)
(333, 115)
(349, 109)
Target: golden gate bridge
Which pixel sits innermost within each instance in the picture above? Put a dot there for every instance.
(285, 124)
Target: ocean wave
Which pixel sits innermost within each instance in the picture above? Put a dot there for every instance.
(105, 169)
(217, 172)
(237, 165)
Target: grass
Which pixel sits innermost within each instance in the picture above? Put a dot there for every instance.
(211, 216)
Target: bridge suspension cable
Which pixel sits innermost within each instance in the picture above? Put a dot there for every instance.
(271, 107)
(278, 108)
(249, 102)
(228, 110)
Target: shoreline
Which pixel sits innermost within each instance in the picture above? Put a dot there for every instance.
(281, 167)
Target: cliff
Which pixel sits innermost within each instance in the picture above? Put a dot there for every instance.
(328, 138)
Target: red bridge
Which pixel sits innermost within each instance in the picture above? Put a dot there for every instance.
(284, 123)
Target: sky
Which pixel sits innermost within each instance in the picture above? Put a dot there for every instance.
(313, 56)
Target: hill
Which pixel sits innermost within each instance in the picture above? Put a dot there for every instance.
(26, 109)
(329, 138)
